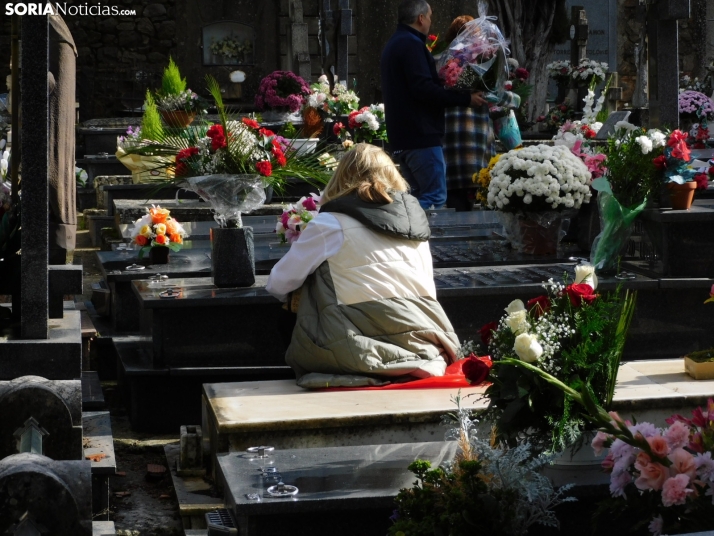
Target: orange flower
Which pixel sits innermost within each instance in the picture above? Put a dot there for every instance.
(176, 238)
(158, 214)
(171, 226)
(141, 240)
(162, 240)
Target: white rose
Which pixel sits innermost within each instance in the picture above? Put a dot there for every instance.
(527, 347)
(514, 306)
(517, 322)
(585, 273)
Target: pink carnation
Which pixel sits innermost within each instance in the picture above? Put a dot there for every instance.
(674, 490)
(682, 463)
(677, 435)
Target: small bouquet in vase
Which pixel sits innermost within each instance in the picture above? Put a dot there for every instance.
(296, 217)
(476, 60)
(157, 229)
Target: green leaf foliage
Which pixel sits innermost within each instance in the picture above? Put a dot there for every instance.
(171, 81)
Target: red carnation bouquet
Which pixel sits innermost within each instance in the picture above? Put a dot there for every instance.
(571, 332)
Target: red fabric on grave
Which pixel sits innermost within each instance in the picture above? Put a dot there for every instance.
(452, 378)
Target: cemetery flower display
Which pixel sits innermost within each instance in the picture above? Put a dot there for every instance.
(572, 132)
(588, 72)
(485, 490)
(281, 90)
(157, 229)
(557, 116)
(538, 178)
(367, 124)
(335, 102)
(571, 332)
(686, 82)
(476, 59)
(560, 70)
(231, 48)
(174, 95)
(483, 179)
(695, 105)
(631, 179)
(295, 218)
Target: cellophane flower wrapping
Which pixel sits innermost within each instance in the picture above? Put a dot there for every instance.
(229, 195)
(616, 224)
(535, 233)
(476, 59)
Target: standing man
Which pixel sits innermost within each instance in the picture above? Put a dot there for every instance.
(414, 101)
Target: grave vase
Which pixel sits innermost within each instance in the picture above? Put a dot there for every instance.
(534, 233)
(232, 256)
(159, 255)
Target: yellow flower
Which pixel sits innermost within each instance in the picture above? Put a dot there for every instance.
(145, 231)
(160, 228)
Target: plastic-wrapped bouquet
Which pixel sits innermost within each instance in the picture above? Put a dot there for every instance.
(539, 178)
(695, 105)
(572, 333)
(296, 217)
(476, 59)
(589, 71)
(157, 229)
(281, 90)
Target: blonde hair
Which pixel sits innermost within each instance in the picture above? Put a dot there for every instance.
(367, 170)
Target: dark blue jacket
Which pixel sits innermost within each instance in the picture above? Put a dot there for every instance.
(414, 98)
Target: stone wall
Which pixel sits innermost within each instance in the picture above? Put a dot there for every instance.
(119, 57)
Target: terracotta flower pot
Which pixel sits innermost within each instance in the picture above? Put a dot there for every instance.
(159, 255)
(681, 195)
(177, 118)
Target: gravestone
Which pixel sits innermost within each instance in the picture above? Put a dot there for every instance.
(54, 495)
(608, 127)
(663, 61)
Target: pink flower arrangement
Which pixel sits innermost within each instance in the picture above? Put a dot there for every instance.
(695, 103)
(281, 90)
(293, 220)
(595, 162)
(674, 463)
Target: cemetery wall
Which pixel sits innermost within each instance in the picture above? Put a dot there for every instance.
(120, 56)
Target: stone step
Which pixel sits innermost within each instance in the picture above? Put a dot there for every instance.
(92, 395)
(103, 528)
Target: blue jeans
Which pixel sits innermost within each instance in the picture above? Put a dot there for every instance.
(425, 171)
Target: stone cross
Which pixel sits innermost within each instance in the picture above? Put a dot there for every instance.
(663, 60)
(300, 55)
(578, 50)
(335, 29)
(35, 164)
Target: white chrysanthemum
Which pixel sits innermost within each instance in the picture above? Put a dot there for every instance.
(645, 144)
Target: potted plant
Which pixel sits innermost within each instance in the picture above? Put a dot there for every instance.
(680, 177)
(158, 233)
(570, 332)
(530, 188)
(280, 94)
(694, 106)
(177, 104)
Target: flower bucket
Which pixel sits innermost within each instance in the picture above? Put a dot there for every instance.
(177, 118)
(681, 195)
(159, 255)
(534, 233)
(579, 465)
(232, 257)
(279, 116)
(303, 146)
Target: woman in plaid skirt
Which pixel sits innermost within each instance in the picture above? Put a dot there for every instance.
(469, 142)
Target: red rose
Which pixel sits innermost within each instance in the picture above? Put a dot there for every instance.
(475, 369)
(264, 168)
(141, 240)
(265, 132)
(351, 119)
(487, 332)
(250, 122)
(563, 108)
(702, 181)
(660, 162)
(539, 305)
(337, 129)
(431, 37)
(218, 138)
(589, 133)
(181, 158)
(579, 293)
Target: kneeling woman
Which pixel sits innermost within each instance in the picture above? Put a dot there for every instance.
(368, 310)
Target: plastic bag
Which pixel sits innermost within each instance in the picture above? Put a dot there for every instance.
(229, 195)
(506, 129)
(476, 59)
(616, 224)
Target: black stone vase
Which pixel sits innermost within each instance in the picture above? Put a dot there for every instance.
(232, 256)
(159, 255)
